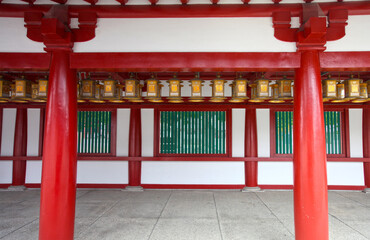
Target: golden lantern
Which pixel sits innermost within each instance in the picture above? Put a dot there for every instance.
(329, 89)
(88, 89)
(4, 90)
(363, 94)
(368, 88)
(112, 91)
(40, 90)
(285, 89)
(217, 89)
(196, 89)
(98, 96)
(260, 90)
(22, 90)
(352, 88)
(153, 88)
(275, 89)
(341, 96)
(239, 89)
(174, 85)
(133, 89)
(79, 99)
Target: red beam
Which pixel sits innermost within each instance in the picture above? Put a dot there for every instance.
(186, 11)
(189, 61)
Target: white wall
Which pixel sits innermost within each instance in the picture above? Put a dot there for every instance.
(183, 35)
(7, 144)
(238, 132)
(33, 168)
(147, 132)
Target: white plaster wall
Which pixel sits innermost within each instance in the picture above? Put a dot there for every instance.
(192, 172)
(114, 172)
(238, 132)
(104, 172)
(33, 168)
(7, 144)
(263, 132)
(345, 173)
(355, 132)
(147, 132)
(275, 173)
(123, 126)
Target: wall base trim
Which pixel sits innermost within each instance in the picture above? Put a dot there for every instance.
(192, 186)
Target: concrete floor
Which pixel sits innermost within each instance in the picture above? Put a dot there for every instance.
(160, 214)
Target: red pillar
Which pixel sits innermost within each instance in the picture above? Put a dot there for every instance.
(20, 147)
(58, 187)
(366, 146)
(251, 150)
(135, 149)
(310, 183)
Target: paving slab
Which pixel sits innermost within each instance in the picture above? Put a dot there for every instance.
(135, 210)
(186, 229)
(9, 225)
(253, 229)
(360, 197)
(108, 228)
(189, 204)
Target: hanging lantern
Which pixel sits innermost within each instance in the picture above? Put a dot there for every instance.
(260, 90)
(329, 89)
(4, 90)
(341, 96)
(275, 94)
(40, 90)
(133, 89)
(112, 90)
(196, 89)
(217, 89)
(352, 88)
(88, 88)
(153, 88)
(363, 94)
(239, 89)
(98, 96)
(79, 99)
(285, 89)
(22, 90)
(368, 88)
(175, 85)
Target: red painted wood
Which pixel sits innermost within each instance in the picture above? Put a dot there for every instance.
(251, 148)
(346, 131)
(229, 136)
(156, 133)
(58, 189)
(366, 144)
(186, 11)
(134, 174)
(113, 132)
(20, 147)
(310, 181)
(144, 62)
(330, 187)
(1, 125)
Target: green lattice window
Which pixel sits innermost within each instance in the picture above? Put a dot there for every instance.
(94, 132)
(193, 132)
(284, 132)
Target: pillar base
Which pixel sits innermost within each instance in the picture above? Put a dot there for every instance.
(134, 189)
(251, 189)
(366, 190)
(17, 188)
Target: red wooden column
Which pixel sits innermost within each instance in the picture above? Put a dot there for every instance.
(251, 150)
(310, 182)
(59, 163)
(366, 146)
(20, 149)
(134, 167)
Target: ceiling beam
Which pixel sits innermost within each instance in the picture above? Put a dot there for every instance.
(187, 11)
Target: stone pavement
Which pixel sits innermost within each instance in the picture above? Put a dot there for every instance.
(183, 214)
